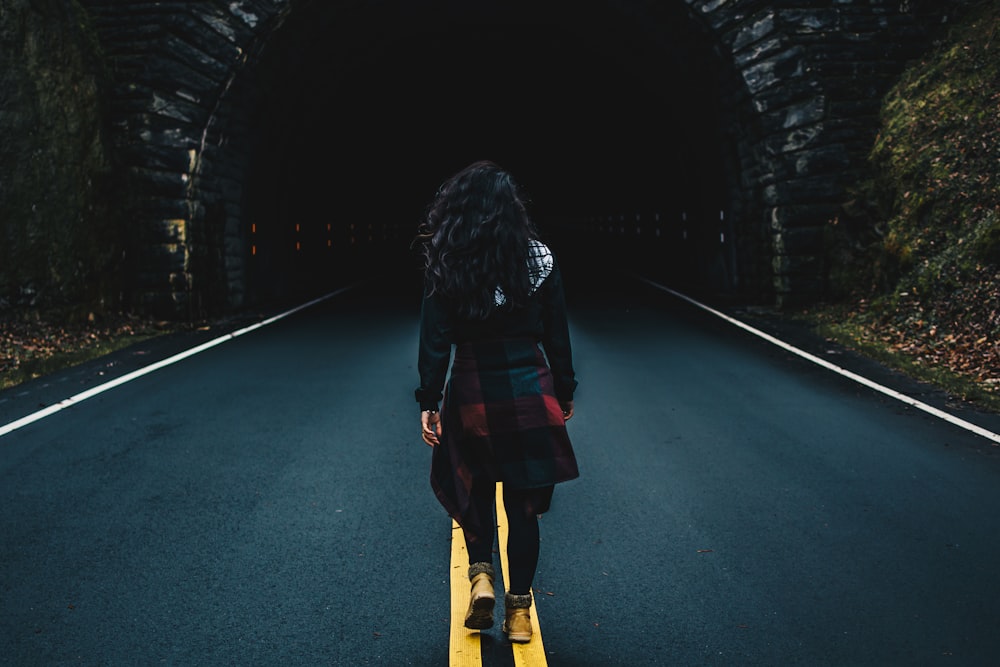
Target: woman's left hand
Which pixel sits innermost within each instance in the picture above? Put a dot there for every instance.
(430, 427)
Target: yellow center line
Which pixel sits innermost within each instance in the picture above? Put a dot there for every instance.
(531, 654)
(464, 647)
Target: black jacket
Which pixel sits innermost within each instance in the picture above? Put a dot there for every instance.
(542, 318)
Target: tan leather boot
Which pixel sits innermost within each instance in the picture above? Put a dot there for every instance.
(517, 618)
(481, 598)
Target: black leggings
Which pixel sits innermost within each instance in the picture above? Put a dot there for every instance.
(523, 507)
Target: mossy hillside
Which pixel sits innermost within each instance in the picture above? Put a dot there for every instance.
(919, 278)
(60, 229)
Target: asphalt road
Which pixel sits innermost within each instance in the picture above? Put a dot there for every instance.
(266, 502)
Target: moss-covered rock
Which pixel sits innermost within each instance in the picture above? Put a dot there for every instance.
(918, 249)
(59, 236)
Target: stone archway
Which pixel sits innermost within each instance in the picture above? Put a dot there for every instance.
(219, 102)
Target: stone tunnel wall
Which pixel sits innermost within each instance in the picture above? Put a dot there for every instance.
(812, 75)
(803, 97)
(175, 64)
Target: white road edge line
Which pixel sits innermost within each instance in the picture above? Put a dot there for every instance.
(145, 370)
(978, 430)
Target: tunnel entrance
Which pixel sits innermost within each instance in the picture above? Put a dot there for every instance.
(610, 117)
(271, 148)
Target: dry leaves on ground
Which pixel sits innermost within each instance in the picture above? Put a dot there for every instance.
(25, 341)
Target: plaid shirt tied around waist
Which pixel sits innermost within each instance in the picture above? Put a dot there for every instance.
(501, 422)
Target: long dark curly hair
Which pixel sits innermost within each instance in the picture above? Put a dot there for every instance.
(476, 238)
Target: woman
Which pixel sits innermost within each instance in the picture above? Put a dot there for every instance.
(494, 291)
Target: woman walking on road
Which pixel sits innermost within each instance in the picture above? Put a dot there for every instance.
(494, 291)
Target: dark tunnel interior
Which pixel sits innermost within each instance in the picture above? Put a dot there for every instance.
(607, 114)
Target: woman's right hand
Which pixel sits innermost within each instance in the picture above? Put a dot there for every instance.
(567, 409)
(430, 427)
